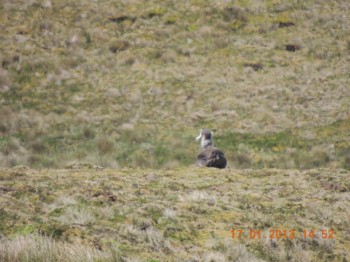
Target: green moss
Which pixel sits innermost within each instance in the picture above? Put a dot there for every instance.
(154, 213)
(171, 19)
(158, 11)
(192, 27)
(57, 212)
(53, 229)
(234, 26)
(118, 217)
(26, 230)
(3, 216)
(161, 153)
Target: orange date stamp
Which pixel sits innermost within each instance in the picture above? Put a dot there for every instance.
(282, 234)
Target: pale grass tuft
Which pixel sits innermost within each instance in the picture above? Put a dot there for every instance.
(5, 82)
(14, 153)
(327, 244)
(154, 237)
(238, 252)
(232, 251)
(299, 253)
(169, 213)
(199, 196)
(132, 232)
(66, 200)
(41, 248)
(80, 216)
(151, 235)
(105, 212)
(214, 257)
(131, 229)
(280, 251)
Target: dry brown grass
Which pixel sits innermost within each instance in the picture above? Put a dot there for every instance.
(40, 248)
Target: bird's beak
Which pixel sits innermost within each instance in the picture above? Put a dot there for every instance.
(199, 137)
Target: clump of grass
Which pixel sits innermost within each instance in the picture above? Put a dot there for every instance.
(158, 11)
(101, 71)
(154, 237)
(118, 45)
(214, 257)
(169, 214)
(13, 153)
(41, 248)
(227, 250)
(346, 161)
(5, 81)
(199, 196)
(88, 133)
(79, 216)
(38, 146)
(104, 145)
(126, 58)
(235, 16)
(244, 160)
(101, 208)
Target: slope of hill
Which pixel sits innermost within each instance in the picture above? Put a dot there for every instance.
(174, 215)
(129, 83)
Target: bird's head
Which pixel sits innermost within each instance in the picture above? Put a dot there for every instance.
(206, 137)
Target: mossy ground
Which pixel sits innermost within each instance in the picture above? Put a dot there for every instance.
(182, 214)
(130, 83)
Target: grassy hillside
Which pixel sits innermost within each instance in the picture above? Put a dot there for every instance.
(110, 94)
(129, 83)
(173, 215)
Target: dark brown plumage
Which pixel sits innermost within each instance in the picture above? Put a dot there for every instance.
(210, 156)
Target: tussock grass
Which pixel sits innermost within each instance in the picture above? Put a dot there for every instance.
(40, 248)
(81, 216)
(181, 214)
(127, 84)
(117, 85)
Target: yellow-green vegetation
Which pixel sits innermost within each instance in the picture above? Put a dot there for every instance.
(118, 83)
(182, 214)
(88, 85)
